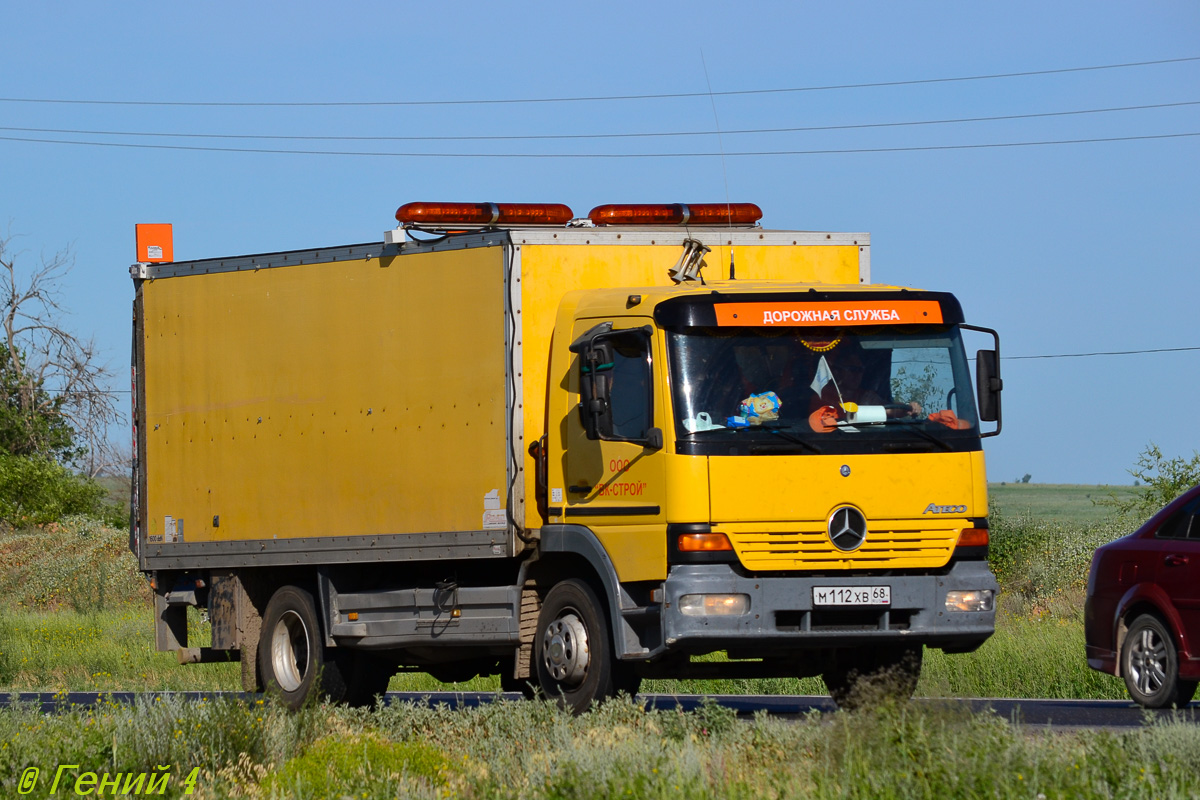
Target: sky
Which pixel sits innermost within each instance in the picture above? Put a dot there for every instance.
(1066, 249)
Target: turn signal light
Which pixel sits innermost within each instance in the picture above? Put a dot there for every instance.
(676, 214)
(442, 214)
(714, 605)
(703, 542)
(973, 537)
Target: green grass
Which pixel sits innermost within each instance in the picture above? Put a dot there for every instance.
(1054, 502)
(533, 750)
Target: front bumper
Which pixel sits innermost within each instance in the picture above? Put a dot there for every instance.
(782, 617)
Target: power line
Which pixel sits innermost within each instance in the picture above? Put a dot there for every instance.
(571, 136)
(1004, 358)
(1106, 353)
(592, 98)
(381, 154)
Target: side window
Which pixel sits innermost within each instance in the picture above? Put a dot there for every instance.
(1182, 524)
(631, 399)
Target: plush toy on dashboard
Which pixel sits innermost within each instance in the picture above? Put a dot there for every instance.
(760, 408)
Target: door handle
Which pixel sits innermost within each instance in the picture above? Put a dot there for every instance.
(1175, 560)
(579, 489)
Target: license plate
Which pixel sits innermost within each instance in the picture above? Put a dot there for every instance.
(852, 595)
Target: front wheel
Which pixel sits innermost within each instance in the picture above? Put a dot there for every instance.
(572, 647)
(1150, 665)
(859, 678)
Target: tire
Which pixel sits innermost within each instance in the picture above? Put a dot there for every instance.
(363, 677)
(862, 678)
(573, 649)
(524, 686)
(1150, 665)
(625, 680)
(291, 652)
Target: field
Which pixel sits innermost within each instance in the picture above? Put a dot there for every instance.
(75, 615)
(1056, 502)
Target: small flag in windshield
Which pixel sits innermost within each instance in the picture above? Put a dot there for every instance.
(824, 375)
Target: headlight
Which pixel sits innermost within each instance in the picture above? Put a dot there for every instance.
(974, 600)
(714, 605)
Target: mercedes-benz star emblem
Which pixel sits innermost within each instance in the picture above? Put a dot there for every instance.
(845, 470)
(847, 528)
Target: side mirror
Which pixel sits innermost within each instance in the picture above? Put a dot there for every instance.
(595, 389)
(654, 439)
(605, 354)
(988, 384)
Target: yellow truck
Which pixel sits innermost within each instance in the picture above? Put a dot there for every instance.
(571, 452)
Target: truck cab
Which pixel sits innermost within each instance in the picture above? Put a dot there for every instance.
(795, 472)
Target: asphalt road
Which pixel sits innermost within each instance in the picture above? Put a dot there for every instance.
(1056, 714)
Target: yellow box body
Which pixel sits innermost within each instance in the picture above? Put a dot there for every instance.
(287, 396)
(348, 398)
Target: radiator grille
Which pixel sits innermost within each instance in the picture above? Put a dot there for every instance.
(886, 547)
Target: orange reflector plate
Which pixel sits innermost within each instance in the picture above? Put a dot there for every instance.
(154, 243)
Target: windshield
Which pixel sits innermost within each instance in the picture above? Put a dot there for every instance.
(830, 390)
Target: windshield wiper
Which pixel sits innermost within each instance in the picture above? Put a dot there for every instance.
(796, 440)
(914, 426)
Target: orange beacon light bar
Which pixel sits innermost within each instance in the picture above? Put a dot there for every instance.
(483, 214)
(676, 214)
(155, 243)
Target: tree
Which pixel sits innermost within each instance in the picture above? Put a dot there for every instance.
(1165, 479)
(55, 400)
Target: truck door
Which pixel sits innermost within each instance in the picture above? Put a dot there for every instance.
(613, 465)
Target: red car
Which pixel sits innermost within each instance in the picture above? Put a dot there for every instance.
(1142, 617)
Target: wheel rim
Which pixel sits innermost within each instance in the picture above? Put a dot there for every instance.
(289, 651)
(565, 649)
(1148, 662)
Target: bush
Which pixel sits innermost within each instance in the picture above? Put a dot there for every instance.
(38, 491)
(1165, 479)
(1038, 560)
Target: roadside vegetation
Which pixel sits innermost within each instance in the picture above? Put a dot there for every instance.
(75, 615)
(533, 750)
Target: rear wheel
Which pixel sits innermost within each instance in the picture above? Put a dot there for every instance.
(860, 678)
(290, 650)
(294, 662)
(1150, 665)
(572, 648)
